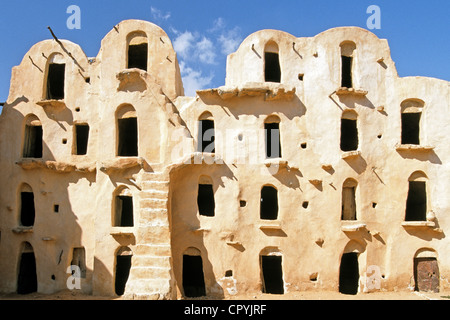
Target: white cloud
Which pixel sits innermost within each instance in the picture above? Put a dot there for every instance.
(183, 44)
(229, 41)
(205, 51)
(190, 47)
(159, 15)
(193, 80)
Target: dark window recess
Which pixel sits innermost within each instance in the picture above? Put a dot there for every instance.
(346, 80)
(27, 279)
(349, 273)
(137, 56)
(124, 211)
(81, 138)
(205, 200)
(416, 203)
(273, 144)
(349, 135)
(55, 81)
(123, 266)
(193, 278)
(32, 147)
(206, 136)
(272, 274)
(272, 70)
(79, 260)
(27, 211)
(410, 128)
(348, 203)
(269, 203)
(128, 137)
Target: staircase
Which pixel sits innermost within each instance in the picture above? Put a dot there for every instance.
(151, 274)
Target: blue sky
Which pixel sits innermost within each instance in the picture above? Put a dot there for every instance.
(204, 32)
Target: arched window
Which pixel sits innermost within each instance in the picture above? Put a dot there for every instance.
(349, 199)
(122, 271)
(349, 131)
(55, 78)
(192, 273)
(205, 197)
(206, 133)
(123, 208)
(272, 137)
(416, 202)
(269, 203)
(347, 60)
(27, 208)
(27, 276)
(32, 139)
(272, 69)
(411, 110)
(137, 53)
(127, 127)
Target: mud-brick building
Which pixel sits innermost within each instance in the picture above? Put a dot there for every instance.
(315, 167)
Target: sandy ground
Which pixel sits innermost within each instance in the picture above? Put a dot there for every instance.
(325, 295)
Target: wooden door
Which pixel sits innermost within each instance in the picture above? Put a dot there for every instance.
(426, 274)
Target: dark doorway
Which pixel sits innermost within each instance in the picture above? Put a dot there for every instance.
(269, 203)
(124, 211)
(138, 56)
(416, 203)
(193, 278)
(348, 203)
(205, 200)
(410, 128)
(349, 135)
(27, 279)
(128, 137)
(32, 147)
(123, 266)
(272, 274)
(206, 136)
(272, 70)
(346, 80)
(349, 273)
(273, 144)
(27, 210)
(426, 274)
(55, 81)
(81, 139)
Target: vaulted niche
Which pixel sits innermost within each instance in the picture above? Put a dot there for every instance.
(347, 63)
(272, 69)
(416, 202)
(81, 138)
(123, 208)
(32, 139)
(127, 127)
(206, 133)
(411, 111)
(349, 131)
(272, 137)
(137, 53)
(192, 274)
(269, 203)
(27, 276)
(27, 212)
(55, 78)
(122, 270)
(205, 197)
(349, 200)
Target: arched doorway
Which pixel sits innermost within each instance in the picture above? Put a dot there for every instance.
(27, 277)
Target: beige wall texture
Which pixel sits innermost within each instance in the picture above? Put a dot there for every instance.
(77, 197)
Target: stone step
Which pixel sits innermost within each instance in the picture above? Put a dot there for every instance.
(153, 176)
(162, 250)
(149, 215)
(155, 185)
(155, 234)
(151, 261)
(150, 273)
(153, 203)
(149, 286)
(154, 194)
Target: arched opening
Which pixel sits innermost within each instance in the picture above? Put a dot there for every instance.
(271, 271)
(27, 277)
(55, 79)
(32, 141)
(272, 137)
(137, 51)
(416, 202)
(27, 213)
(127, 127)
(123, 213)
(269, 203)
(349, 273)
(349, 200)
(123, 266)
(349, 131)
(272, 69)
(205, 197)
(193, 277)
(426, 271)
(411, 112)
(206, 133)
(347, 60)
